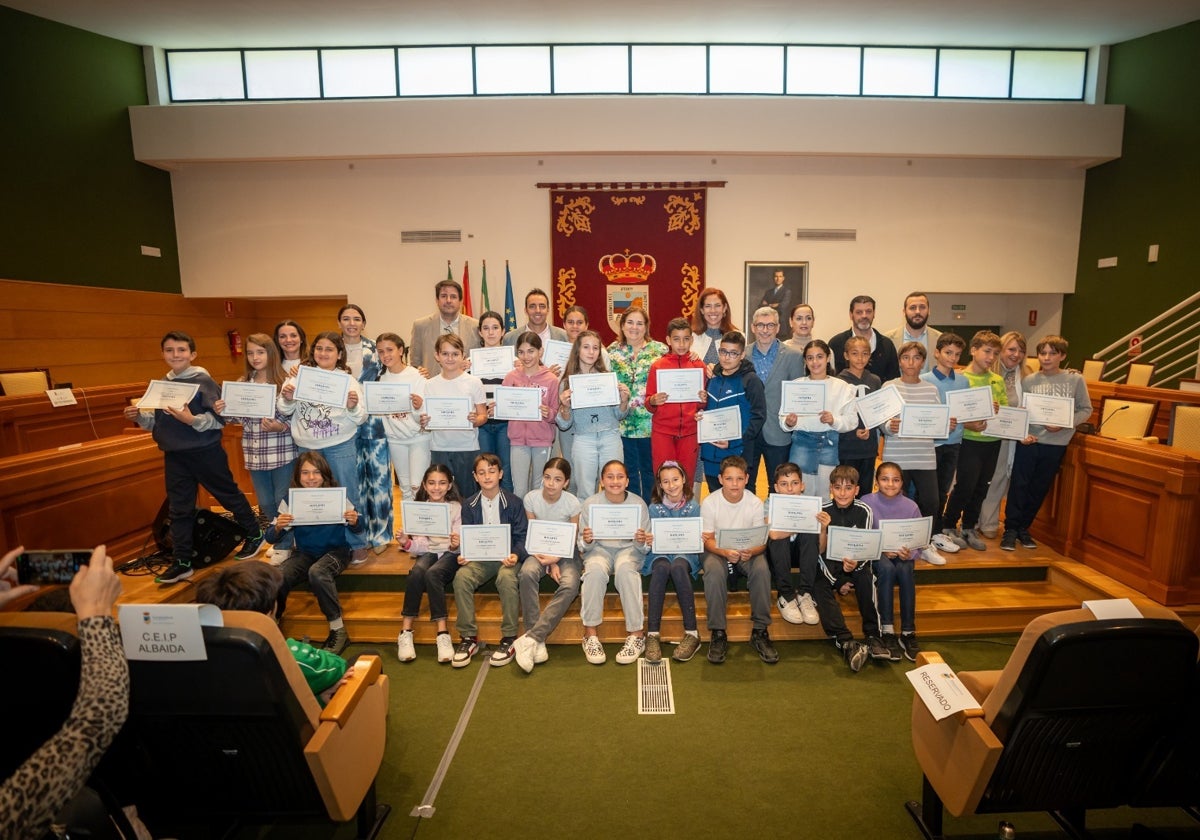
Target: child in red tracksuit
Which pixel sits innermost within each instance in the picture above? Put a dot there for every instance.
(673, 427)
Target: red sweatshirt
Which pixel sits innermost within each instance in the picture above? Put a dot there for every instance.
(677, 419)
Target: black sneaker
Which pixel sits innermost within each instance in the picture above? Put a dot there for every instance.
(893, 647)
(908, 641)
(876, 648)
(504, 652)
(177, 572)
(336, 641)
(466, 649)
(1009, 541)
(761, 642)
(855, 654)
(718, 646)
(250, 547)
(1025, 540)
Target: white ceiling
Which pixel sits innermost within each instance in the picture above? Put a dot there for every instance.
(268, 23)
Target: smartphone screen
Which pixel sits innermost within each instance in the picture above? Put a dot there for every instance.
(43, 568)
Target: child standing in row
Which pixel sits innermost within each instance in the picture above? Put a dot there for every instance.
(913, 454)
(673, 427)
(859, 448)
(895, 568)
(493, 435)
(672, 499)
(815, 436)
(733, 383)
(408, 446)
(531, 440)
(596, 433)
(945, 378)
(456, 448)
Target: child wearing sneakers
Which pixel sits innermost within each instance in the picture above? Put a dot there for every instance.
(620, 559)
(859, 448)
(785, 550)
(946, 379)
(672, 499)
(492, 505)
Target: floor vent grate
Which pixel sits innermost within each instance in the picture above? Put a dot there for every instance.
(655, 696)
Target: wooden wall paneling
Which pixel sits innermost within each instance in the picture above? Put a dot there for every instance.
(31, 423)
(313, 314)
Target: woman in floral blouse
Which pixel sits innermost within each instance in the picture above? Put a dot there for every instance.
(631, 357)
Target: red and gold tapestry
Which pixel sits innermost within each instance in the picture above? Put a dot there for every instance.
(620, 247)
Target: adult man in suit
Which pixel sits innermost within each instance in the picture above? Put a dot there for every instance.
(774, 363)
(779, 298)
(537, 310)
(885, 362)
(916, 328)
(447, 320)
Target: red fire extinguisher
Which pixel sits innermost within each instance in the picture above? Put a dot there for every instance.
(235, 343)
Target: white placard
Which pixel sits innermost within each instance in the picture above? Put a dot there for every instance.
(802, 397)
(674, 536)
(248, 399)
(614, 522)
(857, 544)
(518, 403)
(971, 404)
(485, 543)
(556, 353)
(591, 390)
(905, 533)
(448, 413)
(794, 514)
(681, 386)
(387, 397)
(941, 691)
(717, 424)
(1049, 410)
(925, 421)
(1009, 423)
(322, 387)
(167, 393)
(741, 539)
(425, 519)
(60, 397)
(317, 505)
(878, 407)
(492, 362)
(166, 632)
(550, 538)
(1113, 608)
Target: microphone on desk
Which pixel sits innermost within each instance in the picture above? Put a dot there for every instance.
(1089, 429)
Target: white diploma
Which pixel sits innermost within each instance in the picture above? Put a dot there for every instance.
(589, 390)
(518, 403)
(794, 514)
(425, 519)
(681, 386)
(317, 505)
(556, 353)
(447, 413)
(971, 404)
(167, 393)
(905, 533)
(741, 539)
(918, 420)
(492, 362)
(324, 387)
(553, 539)
(941, 691)
(614, 522)
(1048, 410)
(720, 424)
(802, 397)
(387, 397)
(677, 536)
(858, 544)
(877, 408)
(1009, 423)
(248, 399)
(487, 543)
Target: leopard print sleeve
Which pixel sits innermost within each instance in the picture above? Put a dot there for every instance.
(53, 774)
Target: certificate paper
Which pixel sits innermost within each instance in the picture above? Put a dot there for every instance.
(905, 533)
(925, 421)
(858, 544)
(553, 539)
(167, 393)
(741, 539)
(492, 362)
(317, 505)
(794, 514)
(486, 542)
(802, 397)
(448, 413)
(518, 403)
(324, 387)
(971, 404)
(677, 536)
(614, 522)
(1047, 410)
(387, 397)
(1009, 423)
(720, 424)
(248, 399)
(589, 390)
(878, 408)
(426, 519)
(556, 353)
(681, 386)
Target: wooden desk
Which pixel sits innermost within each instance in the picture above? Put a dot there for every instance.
(32, 424)
(1164, 398)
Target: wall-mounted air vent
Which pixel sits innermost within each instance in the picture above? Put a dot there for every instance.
(417, 237)
(831, 235)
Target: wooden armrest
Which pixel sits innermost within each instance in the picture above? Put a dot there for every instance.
(929, 657)
(364, 673)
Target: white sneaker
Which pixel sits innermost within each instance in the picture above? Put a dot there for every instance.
(943, 543)
(790, 611)
(593, 650)
(277, 555)
(634, 647)
(955, 536)
(359, 556)
(445, 648)
(541, 654)
(930, 555)
(404, 646)
(808, 609)
(525, 652)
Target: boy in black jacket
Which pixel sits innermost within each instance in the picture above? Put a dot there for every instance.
(733, 383)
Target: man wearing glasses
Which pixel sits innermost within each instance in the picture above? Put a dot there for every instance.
(775, 363)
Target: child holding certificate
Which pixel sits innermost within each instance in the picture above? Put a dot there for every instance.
(596, 431)
(551, 502)
(618, 556)
(815, 436)
(322, 551)
(493, 435)
(786, 549)
(895, 568)
(267, 445)
(915, 455)
(946, 379)
(673, 427)
(859, 448)
(408, 446)
(531, 440)
(733, 383)
(435, 566)
(672, 499)
(455, 436)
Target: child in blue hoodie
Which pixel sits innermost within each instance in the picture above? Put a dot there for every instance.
(733, 383)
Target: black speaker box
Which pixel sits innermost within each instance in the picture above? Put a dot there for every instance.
(213, 535)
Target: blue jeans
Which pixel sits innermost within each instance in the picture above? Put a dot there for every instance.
(271, 488)
(812, 449)
(891, 572)
(640, 466)
(493, 437)
(343, 463)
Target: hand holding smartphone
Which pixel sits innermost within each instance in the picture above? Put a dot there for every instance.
(46, 568)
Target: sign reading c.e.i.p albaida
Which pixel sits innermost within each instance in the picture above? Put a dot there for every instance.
(166, 632)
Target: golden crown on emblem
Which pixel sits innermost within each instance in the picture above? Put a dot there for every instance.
(627, 266)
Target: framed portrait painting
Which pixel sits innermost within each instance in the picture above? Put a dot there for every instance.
(779, 285)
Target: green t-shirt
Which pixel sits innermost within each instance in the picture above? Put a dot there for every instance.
(999, 395)
(321, 668)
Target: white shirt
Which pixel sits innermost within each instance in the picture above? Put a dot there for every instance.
(717, 512)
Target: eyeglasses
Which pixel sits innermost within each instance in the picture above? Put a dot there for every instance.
(768, 325)
(729, 354)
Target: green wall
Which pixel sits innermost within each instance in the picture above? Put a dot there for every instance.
(78, 207)
(1150, 195)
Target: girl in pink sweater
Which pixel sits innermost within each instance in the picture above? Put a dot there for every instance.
(531, 440)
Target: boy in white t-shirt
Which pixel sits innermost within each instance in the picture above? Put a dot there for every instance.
(456, 448)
